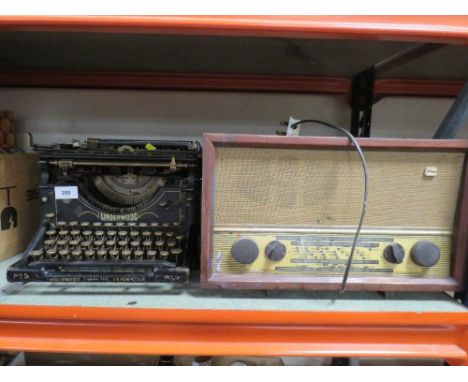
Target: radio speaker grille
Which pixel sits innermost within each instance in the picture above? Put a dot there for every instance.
(314, 188)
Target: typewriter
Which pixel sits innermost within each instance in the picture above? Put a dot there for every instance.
(115, 211)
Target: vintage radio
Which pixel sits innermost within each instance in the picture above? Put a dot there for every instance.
(281, 213)
(116, 211)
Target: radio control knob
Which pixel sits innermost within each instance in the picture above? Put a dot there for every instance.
(425, 253)
(394, 253)
(245, 251)
(275, 250)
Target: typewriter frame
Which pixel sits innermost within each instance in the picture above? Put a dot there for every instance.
(123, 271)
(460, 232)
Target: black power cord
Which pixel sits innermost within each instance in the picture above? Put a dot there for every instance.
(364, 201)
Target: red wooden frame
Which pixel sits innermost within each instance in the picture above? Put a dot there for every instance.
(460, 241)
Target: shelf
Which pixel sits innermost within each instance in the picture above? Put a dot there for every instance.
(183, 320)
(289, 54)
(443, 29)
(175, 319)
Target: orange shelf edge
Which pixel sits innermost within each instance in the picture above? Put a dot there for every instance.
(453, 29)
(223, 332)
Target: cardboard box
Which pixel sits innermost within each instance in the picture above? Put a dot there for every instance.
(19, 201)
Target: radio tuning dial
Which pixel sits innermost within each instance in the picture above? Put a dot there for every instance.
(425, 253)
(245, 251)
(275, 250)
(394, 253)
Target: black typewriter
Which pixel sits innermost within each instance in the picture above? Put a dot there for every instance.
(115, 211)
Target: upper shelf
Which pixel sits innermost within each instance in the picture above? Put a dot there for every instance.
(442, 29)
(315, 54)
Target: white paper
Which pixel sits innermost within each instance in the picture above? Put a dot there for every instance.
(66, 192)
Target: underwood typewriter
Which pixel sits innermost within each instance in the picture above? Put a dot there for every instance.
(115, 211)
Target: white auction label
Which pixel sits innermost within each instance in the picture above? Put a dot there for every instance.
(66, 192)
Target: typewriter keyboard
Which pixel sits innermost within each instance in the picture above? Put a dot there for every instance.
(110, 242)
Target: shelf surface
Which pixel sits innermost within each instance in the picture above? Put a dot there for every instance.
(191, 296)
(177, 319)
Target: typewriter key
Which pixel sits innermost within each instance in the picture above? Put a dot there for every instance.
(63, 232)
(146, 234)
(102, 253)
(142, 224)
(98, 243)
(176, 251)
(169, 234)
(164, 255)
(51, 253)
(62, 243)
(134, 234)
(62, 224)
(123, 233)
(135, 243)
(97, 224)
(154, 224)
(51, 232)
(111, 233)
(114, 254)
(89, 254)
(75, 233)
(159, 243)
(132, 224)
(74, 243)
(147, 243)
(119, 224)
(73, 224)
(108, 224)
(37, 253)
(158, 233)
(175, 224)
(165, 224)
(86, 244)
(122, 243)
(151, 254)
(84, 224)
(64, 254)
(126, 253)
(49, 243)
(87, 234)
(111, 243)
(76, 254)
(50, 215)
(138, 254)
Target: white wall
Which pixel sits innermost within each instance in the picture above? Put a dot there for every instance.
(58, 115)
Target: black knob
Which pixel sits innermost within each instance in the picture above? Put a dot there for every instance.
(245, 251)
(394, 253)
(275, 250)
(425, 253)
